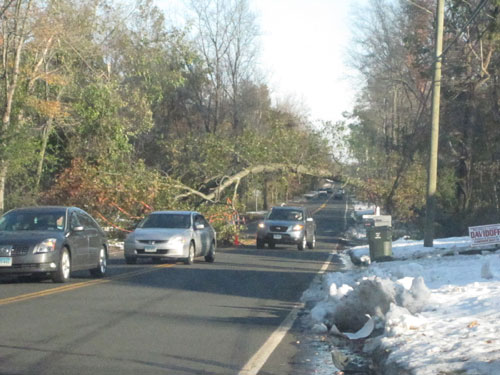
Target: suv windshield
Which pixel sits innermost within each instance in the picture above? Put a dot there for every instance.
(174, 221)
(287, 215)
(24, 221)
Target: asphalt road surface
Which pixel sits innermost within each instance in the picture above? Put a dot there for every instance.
(168, 318)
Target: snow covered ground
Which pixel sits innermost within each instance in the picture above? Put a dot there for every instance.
(430, 313)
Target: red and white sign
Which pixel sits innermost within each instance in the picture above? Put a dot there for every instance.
(485, 234)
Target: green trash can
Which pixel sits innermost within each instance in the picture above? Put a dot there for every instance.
(380, 243)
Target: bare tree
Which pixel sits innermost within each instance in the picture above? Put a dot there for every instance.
(14, 29)
(226, 39)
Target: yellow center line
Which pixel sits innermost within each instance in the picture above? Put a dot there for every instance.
(319, 208)
(323, 205)
(83, 284)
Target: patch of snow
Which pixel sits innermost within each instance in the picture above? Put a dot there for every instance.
(435, 313)
(319, 328)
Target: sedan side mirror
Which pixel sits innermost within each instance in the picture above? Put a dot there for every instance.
(200, 226)
(79, 228)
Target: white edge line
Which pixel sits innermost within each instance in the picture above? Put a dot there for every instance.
(253, 366)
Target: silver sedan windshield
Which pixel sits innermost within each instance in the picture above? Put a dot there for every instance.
(174, 221)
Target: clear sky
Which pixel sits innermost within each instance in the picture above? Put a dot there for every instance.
(303, 52)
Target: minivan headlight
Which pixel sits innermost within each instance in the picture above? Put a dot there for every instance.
(46, 246)
(297, 227)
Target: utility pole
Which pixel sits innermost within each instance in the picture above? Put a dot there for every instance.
(433, 156)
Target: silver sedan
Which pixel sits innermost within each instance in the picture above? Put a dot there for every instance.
(174, 235)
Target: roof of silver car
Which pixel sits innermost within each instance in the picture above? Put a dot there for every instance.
(288, 208)
(174, 212)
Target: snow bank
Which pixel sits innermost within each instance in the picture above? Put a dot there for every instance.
(412, 249)
(432, 313)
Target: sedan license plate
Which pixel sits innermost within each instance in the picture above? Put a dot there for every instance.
(277, 236)
(150, 249)
(5, 261)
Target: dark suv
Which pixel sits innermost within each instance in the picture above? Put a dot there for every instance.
(287, 225)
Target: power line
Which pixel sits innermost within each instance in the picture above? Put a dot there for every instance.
(475, 13)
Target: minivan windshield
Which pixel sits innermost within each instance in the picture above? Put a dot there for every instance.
(173, 221)
(287, 215)
(32, 220)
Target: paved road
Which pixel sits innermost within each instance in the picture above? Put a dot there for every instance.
(163, 319)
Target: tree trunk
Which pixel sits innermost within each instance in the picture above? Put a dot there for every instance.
(45, 138)
(10, 83)
(265, 193)
(3, 176)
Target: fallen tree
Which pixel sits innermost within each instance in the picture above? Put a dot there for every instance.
(235, 179)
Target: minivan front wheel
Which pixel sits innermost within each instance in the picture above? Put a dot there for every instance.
(64, 269)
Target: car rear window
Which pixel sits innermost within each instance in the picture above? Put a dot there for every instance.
(173, 221)
(287, 215)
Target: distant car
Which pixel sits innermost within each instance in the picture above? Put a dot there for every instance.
(287, 225)
(339, 194)
(53, 241)
(322, 193)
(175, 235)
(311, 195)
(327, 189)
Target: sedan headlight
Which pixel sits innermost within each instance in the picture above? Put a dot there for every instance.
(46, 246)
(176, 241)
(297, 227)
(261, 225)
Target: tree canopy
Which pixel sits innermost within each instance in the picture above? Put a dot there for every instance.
(390, 124)
(108, 107)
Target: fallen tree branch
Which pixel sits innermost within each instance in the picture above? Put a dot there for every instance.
(258, 169)
(190, 192)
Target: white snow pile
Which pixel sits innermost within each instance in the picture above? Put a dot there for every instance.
(410, 249)
(362, 208)
(433, 314)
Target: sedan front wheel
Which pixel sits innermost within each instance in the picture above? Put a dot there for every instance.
(210, 257)
(64, 269)
(190, 257)
(102, 264)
